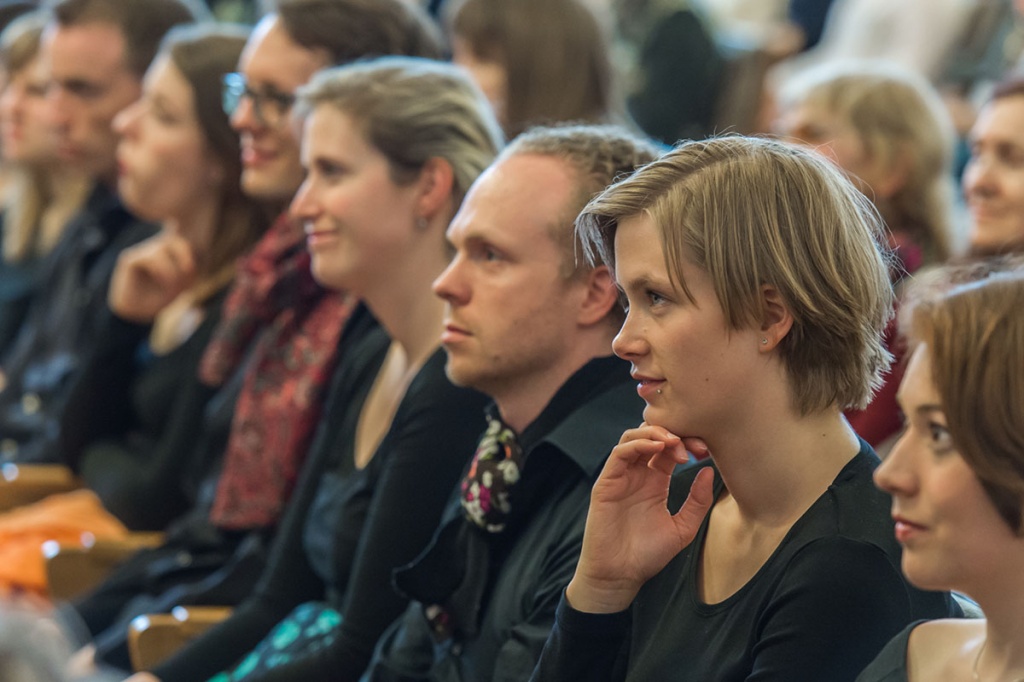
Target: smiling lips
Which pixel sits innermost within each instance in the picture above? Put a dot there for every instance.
(251, 156)
(317, 236)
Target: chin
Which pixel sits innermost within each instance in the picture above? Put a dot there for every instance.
(463, 376)
(924, 575)
(326, 278)
(263, 186)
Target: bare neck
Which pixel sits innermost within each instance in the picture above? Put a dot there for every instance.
(402, 301)
(775, 463)
(522, 399)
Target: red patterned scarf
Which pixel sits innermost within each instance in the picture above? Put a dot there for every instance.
(292, 326)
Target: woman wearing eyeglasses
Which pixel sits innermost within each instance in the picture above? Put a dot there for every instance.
(392, 146)
(138, 404)
(956, 477)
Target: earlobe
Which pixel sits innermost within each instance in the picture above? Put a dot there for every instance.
(599, 297)
(776, 321)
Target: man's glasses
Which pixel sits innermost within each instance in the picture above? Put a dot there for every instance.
(270, 108)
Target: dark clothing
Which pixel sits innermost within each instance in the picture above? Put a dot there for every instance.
(132, 416)
(61, 327)
(680, 69)
(346, 528)
(810, 17)
(820, 608)
(201, 564)
(891, 664)
(501, 589)
(18, 282)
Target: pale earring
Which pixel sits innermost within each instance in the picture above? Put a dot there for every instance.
(421, 223)
(764, 341)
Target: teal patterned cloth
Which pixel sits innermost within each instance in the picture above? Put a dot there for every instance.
(309, 628)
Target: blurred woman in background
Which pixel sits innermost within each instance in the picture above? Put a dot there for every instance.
(993, 180)
(537, 61)
(888, 131)
(40, 195)
(138, 403)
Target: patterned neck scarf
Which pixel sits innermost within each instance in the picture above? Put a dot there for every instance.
(277, 314)
(487, 487)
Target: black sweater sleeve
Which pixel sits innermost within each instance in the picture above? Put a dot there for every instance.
(585, 646)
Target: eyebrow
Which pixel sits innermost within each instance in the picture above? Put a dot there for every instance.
(921, 409)
(644, 282)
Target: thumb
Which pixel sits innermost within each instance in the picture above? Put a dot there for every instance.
(702, 495)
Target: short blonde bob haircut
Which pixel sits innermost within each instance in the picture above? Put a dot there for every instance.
(974, 336)
(412, 110)
(753, 212)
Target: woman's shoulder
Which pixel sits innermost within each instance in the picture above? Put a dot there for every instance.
(891, 663)
(926, 650)
(938, 648)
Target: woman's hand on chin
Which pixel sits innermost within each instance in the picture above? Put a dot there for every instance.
(149, 275)
(630, 534)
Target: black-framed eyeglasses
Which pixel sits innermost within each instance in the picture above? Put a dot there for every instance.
(270, 108)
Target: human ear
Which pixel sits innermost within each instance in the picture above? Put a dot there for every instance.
(434, 188)
(600, 295)
(776, 319)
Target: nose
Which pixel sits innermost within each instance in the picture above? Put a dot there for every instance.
(244, 116)
(59, 106)
(304, 205)
(450, 285)
(629, 343)
(895, 475)
(8, 101)
(125, 123)
(980, 177)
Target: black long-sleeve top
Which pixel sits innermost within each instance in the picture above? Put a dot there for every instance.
(132, 417)
(346, 529)
(821, 607)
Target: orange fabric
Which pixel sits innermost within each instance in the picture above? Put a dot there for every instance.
(63, 518)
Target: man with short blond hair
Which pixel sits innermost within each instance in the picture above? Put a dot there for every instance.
(530, 323)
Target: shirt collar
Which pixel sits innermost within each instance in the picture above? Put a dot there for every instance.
(588, 412)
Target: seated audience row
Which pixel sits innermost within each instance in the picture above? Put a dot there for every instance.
(252, 362)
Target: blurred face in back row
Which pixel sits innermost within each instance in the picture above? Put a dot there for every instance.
(273, 66)
(91, 83)
(27, 136)
(994, 177)
(166, 170)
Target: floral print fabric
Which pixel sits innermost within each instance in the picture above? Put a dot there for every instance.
(492, 475)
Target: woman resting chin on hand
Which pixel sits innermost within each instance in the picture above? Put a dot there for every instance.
(757, 294)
